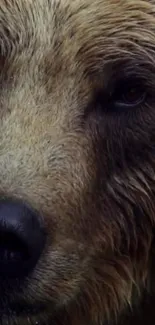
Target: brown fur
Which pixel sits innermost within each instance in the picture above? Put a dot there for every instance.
(89, 171)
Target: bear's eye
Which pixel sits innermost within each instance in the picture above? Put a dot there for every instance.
(129, 94)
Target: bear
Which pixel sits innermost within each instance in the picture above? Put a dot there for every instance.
(77, 170)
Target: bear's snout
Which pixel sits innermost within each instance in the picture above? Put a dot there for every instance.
(22, 239)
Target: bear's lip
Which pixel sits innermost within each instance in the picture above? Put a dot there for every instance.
(18, 309)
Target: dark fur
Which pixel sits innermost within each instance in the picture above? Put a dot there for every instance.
(89, 170)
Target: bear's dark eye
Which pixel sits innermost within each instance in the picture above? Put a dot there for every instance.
(129, 94)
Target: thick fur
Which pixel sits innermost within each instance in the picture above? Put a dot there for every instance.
(86, 168)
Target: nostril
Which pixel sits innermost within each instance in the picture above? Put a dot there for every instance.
(13, 249)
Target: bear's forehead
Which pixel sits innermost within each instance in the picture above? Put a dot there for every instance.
(85, 29)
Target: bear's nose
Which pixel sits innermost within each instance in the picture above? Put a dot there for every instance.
(22, 239)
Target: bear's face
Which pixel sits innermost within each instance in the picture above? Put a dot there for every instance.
(77, 132)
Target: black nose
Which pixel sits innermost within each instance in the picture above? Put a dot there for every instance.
(22, 239)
